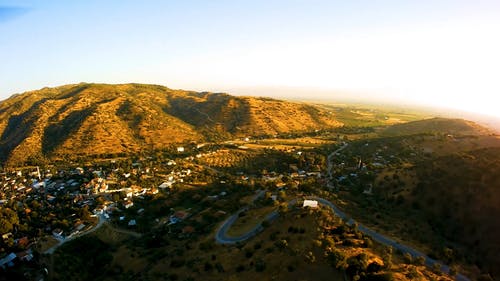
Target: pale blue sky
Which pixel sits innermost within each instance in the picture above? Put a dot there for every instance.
(436, 52)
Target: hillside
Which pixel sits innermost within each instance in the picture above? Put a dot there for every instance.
(435, 125)
(92, 119)
(459, 195)
(435, 191)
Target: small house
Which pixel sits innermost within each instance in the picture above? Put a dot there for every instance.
(128, 204)
(310, 204)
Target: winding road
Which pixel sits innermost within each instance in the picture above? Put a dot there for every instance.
(52, 249)
(222, 238)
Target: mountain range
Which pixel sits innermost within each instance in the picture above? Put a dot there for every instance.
(91, 119)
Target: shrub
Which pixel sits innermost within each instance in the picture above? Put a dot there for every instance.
(373, 267)
(208, 267)
(408, 258)
(367, 242)
(310, 257)
(248, 253)
(281, 244)
(219, 267)
(420, 260)
(413, 274)
(337, 259)
(260, 265)
(436, 268)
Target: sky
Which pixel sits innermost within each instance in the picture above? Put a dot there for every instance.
(441, 53)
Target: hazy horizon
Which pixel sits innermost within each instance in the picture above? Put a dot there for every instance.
(425, 53)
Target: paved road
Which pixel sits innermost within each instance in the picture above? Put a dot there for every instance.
(51, 250)
(329, 169)
(221, 235)
(375, 235)
(222, 238)
(384, 239)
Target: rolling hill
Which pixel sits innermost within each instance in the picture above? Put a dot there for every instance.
(91, 119)
(459, 195)
(436, 125)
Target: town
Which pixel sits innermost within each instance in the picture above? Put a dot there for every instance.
(43, 207)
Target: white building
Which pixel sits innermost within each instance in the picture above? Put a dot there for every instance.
(310, 204)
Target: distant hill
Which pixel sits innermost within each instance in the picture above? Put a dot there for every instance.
(90, 119)
(436, 125)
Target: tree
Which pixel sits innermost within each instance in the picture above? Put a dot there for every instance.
(408, 258)
(448, 254)
(84, 213)
(453, 270)
(283, 208)
(337, 259)
(420, 260)
(436, 268)
(387, 257)
(8, 218)
(310, 257)
(281, 244)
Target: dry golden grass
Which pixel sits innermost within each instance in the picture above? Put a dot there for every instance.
(276, 262)
(129, 260)
(46, 243)
(246, 223)
(90, 119)
(108, 235)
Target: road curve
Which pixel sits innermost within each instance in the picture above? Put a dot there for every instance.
(221, 234)
(222, 238)
(385, 240)
(52, 249)
(375, 235)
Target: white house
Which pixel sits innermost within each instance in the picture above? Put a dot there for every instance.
(128, 204)
(310, 203)
(180, 149)
(166, 184)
